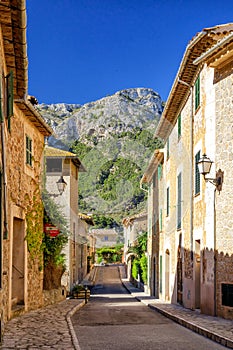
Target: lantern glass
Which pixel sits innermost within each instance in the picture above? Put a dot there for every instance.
(61, 185)
(204, 165)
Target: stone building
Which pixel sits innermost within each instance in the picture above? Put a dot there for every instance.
(155, 217)
(21, 164)
(86, 253)
(104, 237)
(194, 224)
(65, 165)
(133, 227)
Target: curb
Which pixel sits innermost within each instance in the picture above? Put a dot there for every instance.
(70, 325)
(197, 329)
(193, 327)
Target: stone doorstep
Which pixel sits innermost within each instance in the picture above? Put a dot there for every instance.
(195, 328)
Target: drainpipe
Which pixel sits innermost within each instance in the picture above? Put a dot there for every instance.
(215, 257)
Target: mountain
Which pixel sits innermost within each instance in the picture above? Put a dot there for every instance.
(111, 115)
(113, 137)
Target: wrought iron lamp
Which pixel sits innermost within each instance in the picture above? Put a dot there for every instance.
(61, 185)
(204, 166)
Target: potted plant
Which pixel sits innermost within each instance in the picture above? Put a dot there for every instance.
(79, 291)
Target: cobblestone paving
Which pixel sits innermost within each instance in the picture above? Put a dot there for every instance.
(47, 328)
(215, 328)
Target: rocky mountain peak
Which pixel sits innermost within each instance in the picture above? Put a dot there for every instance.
(121, 112)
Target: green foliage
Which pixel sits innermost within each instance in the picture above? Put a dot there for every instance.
(81, 149)
(135, 268)
(115, 165)
(34, 234)
(102, 221)
(53, 245)
(110, 254)
(143, 266)
(139, 264)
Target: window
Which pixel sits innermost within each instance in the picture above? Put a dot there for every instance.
(197, 174)
(106, 238)
(28, 150)
(168, 200)
(179, 194)
(227, 294)
(197, 93)
(179, 126)
(168, 148)
(54, 165)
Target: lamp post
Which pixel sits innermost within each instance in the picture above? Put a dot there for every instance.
(204, 166)
(61, 185)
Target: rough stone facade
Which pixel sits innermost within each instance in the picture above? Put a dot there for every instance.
(22, 142)
(195, 238)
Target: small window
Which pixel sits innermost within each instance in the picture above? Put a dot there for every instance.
(54, 165)
(168, 148)
(28, 150)
(106, 238)
(168, 201)
(227, 294)
(197, 174)
(179, 126)
(197, 93)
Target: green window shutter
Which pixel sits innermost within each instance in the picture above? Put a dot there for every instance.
(179, 194)
(28, 150)
(168, 200)
(10, 97)
(197, 174)
(197, 92)
(179, 126)
(160, 168)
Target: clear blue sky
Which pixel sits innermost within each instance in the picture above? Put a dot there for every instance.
(82, 50)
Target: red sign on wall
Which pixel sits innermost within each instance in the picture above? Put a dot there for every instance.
(51, 230)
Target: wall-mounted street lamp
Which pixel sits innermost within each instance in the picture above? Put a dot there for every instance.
(204, 166)
(61, 185)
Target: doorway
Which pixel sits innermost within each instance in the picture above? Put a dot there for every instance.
(18, 256)
(197, 274)
(167, 275)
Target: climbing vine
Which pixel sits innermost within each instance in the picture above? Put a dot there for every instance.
(34, 232)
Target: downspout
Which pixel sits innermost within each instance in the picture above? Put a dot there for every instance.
(215, 257)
